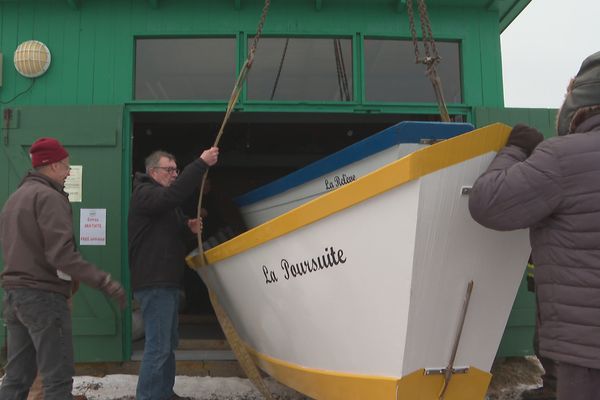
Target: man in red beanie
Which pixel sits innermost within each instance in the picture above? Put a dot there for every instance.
(40, 262)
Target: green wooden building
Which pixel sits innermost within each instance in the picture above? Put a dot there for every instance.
(127, 77)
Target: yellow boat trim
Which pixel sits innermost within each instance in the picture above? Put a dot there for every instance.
(331, 385)
(413, 166)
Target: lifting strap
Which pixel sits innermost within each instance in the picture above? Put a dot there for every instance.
(432, 57)
(236, 343)
(200, 259)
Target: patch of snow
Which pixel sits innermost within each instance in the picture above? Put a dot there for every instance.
(122, 387)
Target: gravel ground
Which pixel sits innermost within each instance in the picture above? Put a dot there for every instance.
(510, 377)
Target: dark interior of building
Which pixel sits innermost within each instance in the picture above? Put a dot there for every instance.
(255, 149)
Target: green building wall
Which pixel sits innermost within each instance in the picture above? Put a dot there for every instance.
(93, 44)
(92, 74)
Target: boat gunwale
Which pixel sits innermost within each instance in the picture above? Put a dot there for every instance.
(405, 132)
(411, 167)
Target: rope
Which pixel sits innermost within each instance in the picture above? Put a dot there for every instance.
(283, 53)
(343, 67)
(432, 57)
(238, 347)
(341, 71)
(235, 94)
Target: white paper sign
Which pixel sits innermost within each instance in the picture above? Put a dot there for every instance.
(74, 183)
(92, 231)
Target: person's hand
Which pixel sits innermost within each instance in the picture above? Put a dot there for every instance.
(210, 156)
(114, 290)
(195, 225)
(525, 137)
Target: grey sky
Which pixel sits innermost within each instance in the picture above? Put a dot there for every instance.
(544, 47)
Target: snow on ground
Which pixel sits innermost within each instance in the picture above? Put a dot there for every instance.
(510, 377)
(122, 387)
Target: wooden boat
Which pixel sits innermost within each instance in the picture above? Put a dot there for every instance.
(363, 293)
(341, 168)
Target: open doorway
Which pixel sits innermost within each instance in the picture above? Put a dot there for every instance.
(256, 149)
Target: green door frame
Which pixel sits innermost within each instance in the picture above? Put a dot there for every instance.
(255, 107)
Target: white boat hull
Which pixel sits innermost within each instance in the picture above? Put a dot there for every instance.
(365, 286)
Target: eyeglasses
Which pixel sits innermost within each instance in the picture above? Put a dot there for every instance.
(67, 166)
(169, 170)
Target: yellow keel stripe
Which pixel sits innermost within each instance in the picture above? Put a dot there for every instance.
(331, 385)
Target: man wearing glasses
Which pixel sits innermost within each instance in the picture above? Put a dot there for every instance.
(41, 268)
(158, 230)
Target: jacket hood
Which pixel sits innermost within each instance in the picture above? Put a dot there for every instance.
(591, 123)
(583, 92)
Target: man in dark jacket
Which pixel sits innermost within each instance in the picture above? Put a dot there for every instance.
(553, 188)
(157, 236)
(40, 262)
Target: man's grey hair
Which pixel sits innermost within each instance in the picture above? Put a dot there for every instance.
(153, 159)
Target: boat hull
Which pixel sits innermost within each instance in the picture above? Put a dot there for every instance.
(364, 287)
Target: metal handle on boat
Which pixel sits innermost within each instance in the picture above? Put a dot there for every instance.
(442, 371)
(450, 367)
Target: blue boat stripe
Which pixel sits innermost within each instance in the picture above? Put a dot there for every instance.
(403, 132)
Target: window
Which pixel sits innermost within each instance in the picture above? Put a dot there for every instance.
(391, 74)
(302, 69)
(184, 68)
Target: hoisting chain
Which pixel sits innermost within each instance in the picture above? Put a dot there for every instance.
(236, 343)
(432, 57)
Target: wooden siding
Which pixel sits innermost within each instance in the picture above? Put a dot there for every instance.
(93, 46)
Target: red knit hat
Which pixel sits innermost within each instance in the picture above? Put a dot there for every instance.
(46, 151)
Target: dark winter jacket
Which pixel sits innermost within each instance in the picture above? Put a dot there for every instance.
(556, 193)
(158, 228)
(36, 231)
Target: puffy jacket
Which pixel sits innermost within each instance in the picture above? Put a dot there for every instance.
(556, 193)
(158, 229)
(36, 231)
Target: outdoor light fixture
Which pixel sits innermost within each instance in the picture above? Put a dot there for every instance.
(32, 58)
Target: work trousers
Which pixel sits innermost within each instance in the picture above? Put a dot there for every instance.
(550, 366)
(160, 307)
(578, 383)
(39, 337)
(36, 392)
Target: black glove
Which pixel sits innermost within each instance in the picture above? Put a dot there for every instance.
(525, 137)
(115, 290)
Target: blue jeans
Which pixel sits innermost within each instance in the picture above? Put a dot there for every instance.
(160, 308)
(39, 337)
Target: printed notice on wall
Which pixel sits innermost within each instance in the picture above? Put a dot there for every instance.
(73, 184)
(92, 230)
